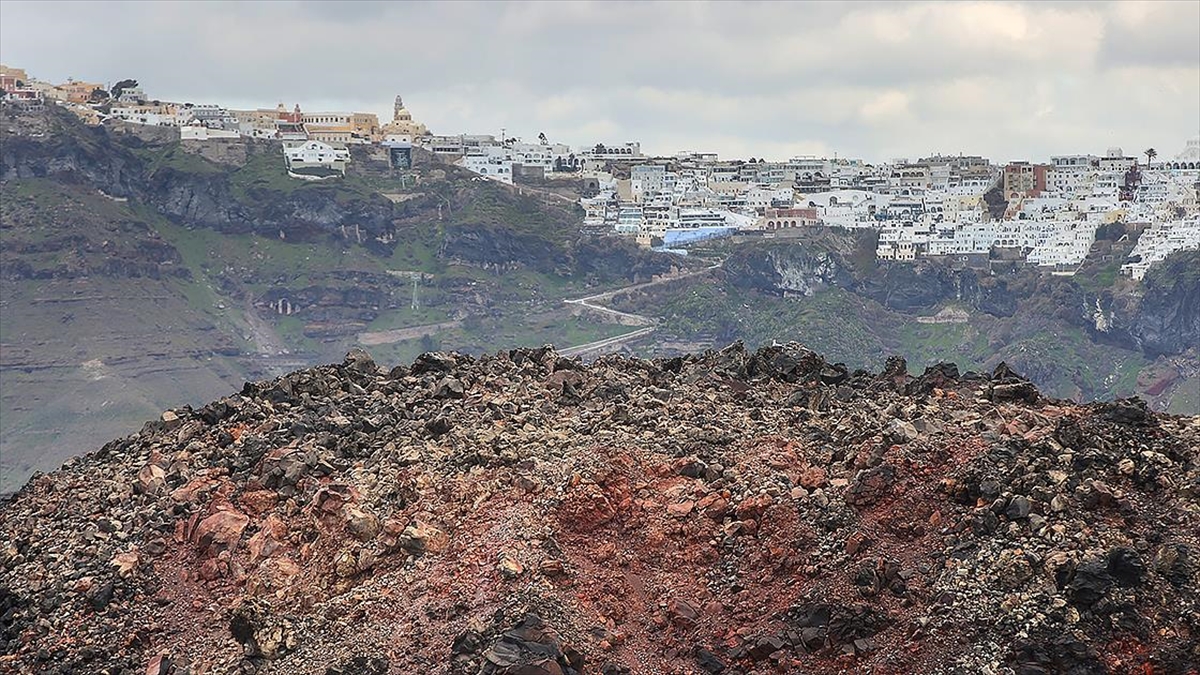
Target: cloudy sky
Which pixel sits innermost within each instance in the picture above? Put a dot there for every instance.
(879, 81)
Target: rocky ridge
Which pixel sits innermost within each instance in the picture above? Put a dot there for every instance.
(729, 512)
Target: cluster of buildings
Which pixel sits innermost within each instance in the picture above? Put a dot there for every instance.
(961, 207)
(966, 207)
(315, 144)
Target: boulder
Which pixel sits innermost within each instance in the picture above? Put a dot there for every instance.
(220, 531)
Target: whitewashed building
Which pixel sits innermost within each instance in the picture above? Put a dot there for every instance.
(198, 132)
(1161, 240)
(315, 157)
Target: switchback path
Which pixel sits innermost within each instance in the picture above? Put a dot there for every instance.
(384, 337)
(601, 345)
(648, 323)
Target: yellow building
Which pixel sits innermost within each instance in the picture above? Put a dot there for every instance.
(79, 92)
(329, 134)
(341, 127)
(262, 117)
(402, 123)
(365, 125)
(15, 73)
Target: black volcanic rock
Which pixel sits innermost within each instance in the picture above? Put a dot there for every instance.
(724, 511)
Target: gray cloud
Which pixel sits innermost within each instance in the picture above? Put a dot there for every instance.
(877, 80)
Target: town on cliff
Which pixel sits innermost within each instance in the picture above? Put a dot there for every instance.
(962, 207)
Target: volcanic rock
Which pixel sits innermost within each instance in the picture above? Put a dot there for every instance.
(735, 511)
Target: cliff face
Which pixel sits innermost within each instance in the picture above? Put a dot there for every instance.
(497, 246)
(1167, 320)
(795, 270)
(142, 272)
(71, 153)
(1161, 318)
(196, 192)
(832, 260)
(523, 513)
(199, 200)
(919, 287)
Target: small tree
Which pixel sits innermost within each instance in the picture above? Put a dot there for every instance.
(98, 95)
(122, 86)
(1150, 154)
(542, 138)
(428, 343)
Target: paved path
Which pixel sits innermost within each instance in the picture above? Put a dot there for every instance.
(264, 337)
(603, 345)
(385, 337)
(648, 322)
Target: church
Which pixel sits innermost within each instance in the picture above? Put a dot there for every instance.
(402, 127)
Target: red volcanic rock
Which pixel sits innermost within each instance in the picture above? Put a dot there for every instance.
(734, 512)
(681, 509)
(812, 477)
(221, 531)
(422, 537)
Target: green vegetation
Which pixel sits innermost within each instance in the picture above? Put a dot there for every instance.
(264, 170)
(846, 327)
(832, 322)
(173, 156)
(492, 203)
(488, 334)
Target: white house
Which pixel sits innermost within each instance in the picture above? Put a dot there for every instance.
(157, 116)
(315, 155)
(196, 132)
(491, 161)
(132, 95)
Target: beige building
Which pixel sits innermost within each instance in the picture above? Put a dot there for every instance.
(262, 117)
(327, 134)
(17, 74)
(79, 92)
(341, 127)
(49, 91)
(402, 123)
(365, 125)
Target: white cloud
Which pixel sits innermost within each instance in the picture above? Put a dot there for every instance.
(766, 79)
(887, 107)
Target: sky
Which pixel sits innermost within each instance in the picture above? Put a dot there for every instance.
(771, 80)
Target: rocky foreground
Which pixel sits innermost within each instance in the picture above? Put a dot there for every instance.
(523, 513)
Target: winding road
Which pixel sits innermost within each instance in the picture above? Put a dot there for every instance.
(648, 323)
(642, 325)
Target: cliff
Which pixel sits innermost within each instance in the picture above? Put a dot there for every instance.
(846, 260)
(141, 272)
(240, 186)
(1167, 320)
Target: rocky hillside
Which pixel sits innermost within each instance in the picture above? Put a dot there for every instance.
(731, 512)
(1094, 335)
(141, 272)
